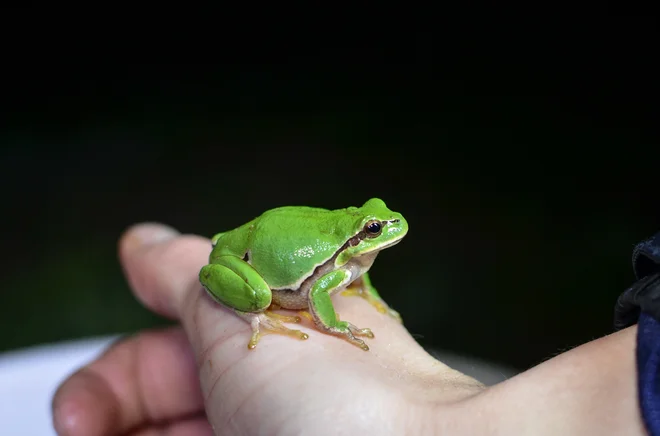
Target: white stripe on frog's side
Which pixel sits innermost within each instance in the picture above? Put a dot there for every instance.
(299, 298)
(324, 266)
(330, 264)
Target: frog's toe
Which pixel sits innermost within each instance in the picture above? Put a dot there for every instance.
(360, 332)
(284, 318)
(306, 315)
(264, 323)
(351, 292)
(349, 332)
(357, 342)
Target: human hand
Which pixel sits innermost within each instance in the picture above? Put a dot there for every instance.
(201, 377)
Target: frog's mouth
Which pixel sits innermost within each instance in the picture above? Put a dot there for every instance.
(391, 244)
(371, 251)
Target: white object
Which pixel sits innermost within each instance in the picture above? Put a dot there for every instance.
(29, 378)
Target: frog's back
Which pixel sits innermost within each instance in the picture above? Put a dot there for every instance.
(286, 244)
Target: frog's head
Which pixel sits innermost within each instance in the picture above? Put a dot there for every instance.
(376, 228)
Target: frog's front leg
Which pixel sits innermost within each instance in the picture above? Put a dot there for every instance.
(323, 311)
(233, 283)
(363, 288)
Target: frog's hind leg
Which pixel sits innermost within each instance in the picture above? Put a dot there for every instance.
(236, 285)
(266, 322)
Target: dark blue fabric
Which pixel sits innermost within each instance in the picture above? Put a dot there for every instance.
(648, 371)
(646, 257)
(641, 303)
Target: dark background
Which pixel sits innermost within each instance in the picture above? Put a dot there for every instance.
(525, 159)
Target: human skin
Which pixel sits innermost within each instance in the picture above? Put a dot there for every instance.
(199, 376)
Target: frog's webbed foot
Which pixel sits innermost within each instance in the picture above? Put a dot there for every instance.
(349, 332)
(356, 331)
(323, 312)
(266, 322)
(344, 329)
(377, 302)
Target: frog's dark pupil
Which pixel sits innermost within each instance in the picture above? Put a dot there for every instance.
(373, 227)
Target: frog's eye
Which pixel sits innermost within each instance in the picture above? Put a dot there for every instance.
(373, 228)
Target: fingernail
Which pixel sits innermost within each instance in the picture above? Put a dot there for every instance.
(145, 234)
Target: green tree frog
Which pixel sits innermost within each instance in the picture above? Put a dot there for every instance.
(296, 258)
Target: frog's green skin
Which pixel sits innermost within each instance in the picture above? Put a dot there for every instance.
(297, 257)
